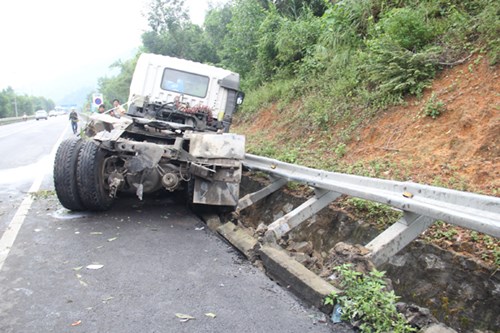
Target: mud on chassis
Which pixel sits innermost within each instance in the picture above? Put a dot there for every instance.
(175, 152)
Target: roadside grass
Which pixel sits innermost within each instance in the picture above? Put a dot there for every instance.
(43, 194)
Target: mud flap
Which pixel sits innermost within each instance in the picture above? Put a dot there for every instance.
(216, 193)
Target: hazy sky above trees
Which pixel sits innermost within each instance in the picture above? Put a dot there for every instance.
(52, 47)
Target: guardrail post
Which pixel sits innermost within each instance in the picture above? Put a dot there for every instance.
(252, 198)
(283, 225)
(397, 236)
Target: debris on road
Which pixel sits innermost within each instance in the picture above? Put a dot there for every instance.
(95, 266)
(112, 239)
(107, 299)
(83, 283)
(76, 323)
(211, 315)
(184, 317)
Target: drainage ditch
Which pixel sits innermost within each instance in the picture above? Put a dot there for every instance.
(458, 290)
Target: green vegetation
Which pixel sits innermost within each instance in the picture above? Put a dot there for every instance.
(434, 107)
(444, 231)
(43, 194)
(382, 215)
(335, 57)
(365, 298)
(25, 104)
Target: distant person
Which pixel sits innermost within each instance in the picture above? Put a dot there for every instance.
(119, 110)
(73, 117)
(102, 108)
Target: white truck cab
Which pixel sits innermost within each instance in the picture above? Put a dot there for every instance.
(162, 80)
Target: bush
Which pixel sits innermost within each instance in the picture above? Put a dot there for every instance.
(296, 37)
(434, 107)
(488, 25)
(394, 70)
(366, 298)
(345, 24)
(406, 27)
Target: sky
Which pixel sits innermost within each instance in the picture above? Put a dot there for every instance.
(52, 48)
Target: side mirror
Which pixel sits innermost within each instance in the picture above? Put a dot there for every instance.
(240, 96)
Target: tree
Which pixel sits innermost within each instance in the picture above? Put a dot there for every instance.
(189, 43)
(240, 44)
(166, 15)
(216, 27)
(25, 104)
(118, 86)
(7, 102)
(296, 8)
(267, 52)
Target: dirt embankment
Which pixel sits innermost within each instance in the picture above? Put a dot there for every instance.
(461, 147)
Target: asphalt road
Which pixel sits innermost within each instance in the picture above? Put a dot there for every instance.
(152, 259)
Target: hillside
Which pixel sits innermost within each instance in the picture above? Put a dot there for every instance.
(458, 149)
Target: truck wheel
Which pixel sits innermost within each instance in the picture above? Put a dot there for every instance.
(91, 177)
(65, 174)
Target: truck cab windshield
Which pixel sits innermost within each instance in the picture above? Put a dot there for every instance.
(185, 83)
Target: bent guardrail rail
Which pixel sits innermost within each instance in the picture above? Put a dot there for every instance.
(421, 204)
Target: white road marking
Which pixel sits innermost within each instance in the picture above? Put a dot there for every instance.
(10, 234)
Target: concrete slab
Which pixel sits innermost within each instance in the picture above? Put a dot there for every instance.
(212, 221)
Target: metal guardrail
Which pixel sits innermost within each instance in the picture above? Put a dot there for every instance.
(421, 204)
(10, 120)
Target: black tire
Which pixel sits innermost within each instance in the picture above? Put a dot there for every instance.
(65, 182)
(92, 183)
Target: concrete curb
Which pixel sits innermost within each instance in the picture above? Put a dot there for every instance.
(296, 277)
(239, 239)
(212, 221)
(278, 264)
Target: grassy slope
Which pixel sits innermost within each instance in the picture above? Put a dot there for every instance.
(459, 149)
